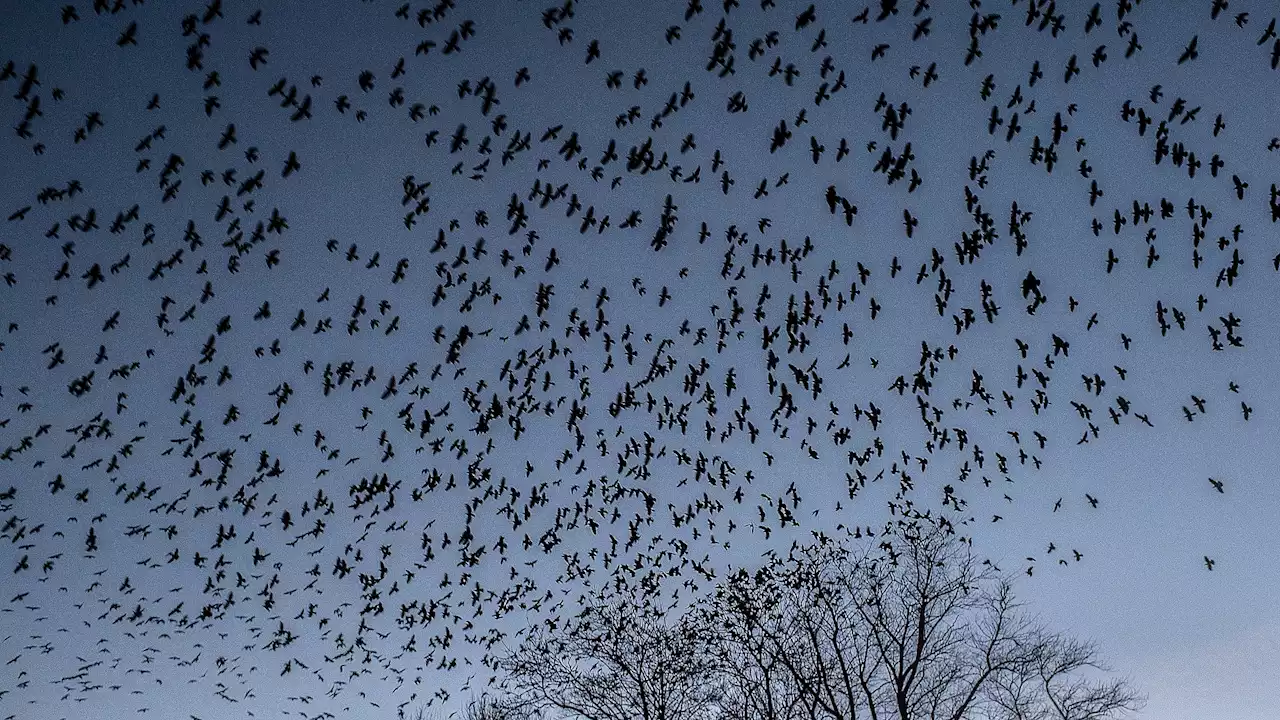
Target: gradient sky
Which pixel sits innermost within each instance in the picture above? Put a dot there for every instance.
(1201, 644)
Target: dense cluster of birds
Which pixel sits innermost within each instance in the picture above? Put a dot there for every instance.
(270, 404)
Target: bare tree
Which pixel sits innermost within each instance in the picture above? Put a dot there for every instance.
(615, 661)
(914, 628)
(917, 629)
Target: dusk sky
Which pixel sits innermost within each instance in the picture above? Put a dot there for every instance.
(261, 253)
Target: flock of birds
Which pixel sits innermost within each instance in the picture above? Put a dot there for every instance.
(563, 357)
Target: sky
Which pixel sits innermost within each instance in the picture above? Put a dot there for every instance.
(430, 285)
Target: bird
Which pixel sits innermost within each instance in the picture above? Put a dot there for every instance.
(1191, 51)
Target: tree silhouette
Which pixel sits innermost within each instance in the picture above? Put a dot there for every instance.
(915, 627)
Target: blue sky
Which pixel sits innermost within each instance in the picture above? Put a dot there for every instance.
(1201, 643)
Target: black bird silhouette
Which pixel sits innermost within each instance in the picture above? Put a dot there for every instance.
(1191, 52)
